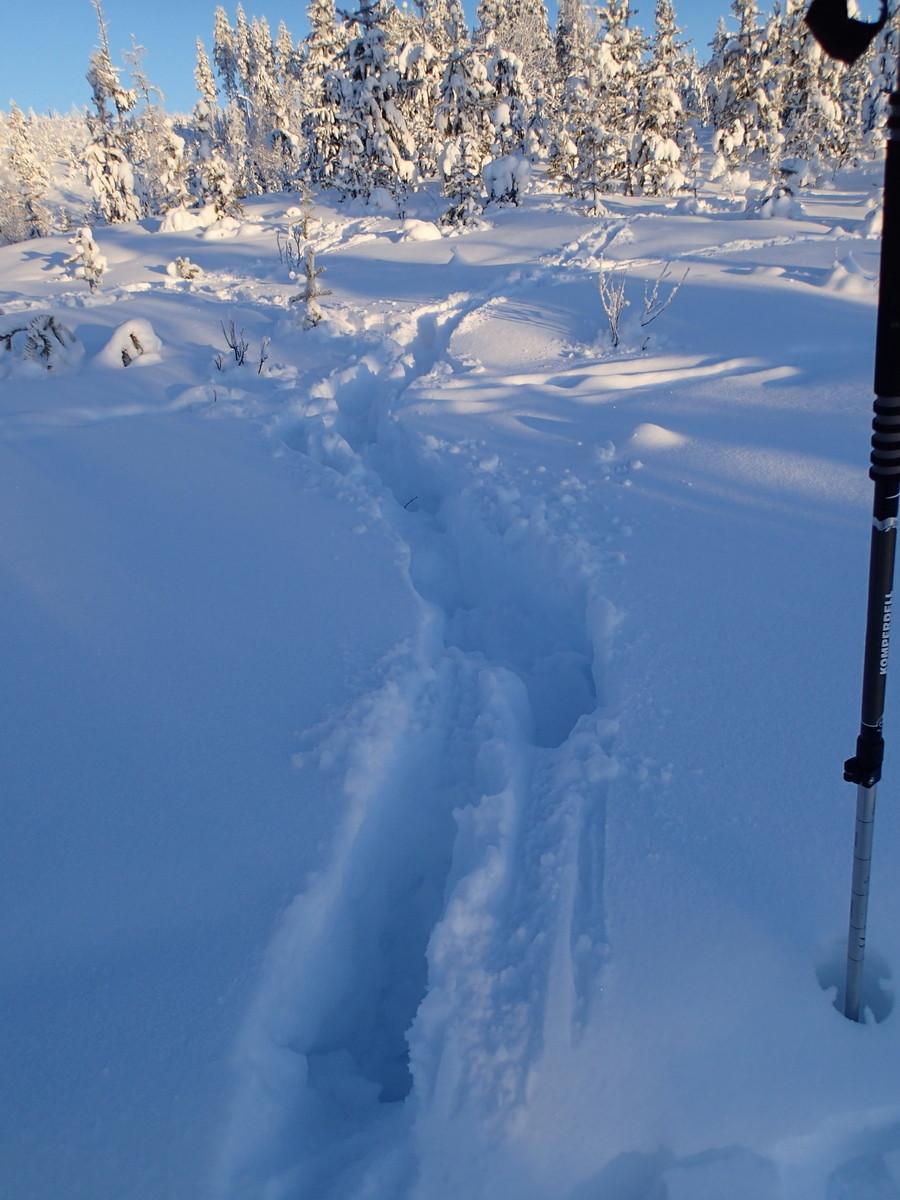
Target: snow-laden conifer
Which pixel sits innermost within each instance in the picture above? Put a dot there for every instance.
(243, 56)
(224, 54)
(155, 148)
(464, 121)
(444, 25)
(288, 57)
(881, 75)
(665, 149)
(31, 179)
(745, 104)
(525, 32)
(599, 110)
(377, 148)
(110, 171)
(811, 105)
(86, 260)
(576, 32)
(323, 93)
(618, 74)
(419, 69)
(312, 293)
(511, 106)
(211, 179)
(205, 80)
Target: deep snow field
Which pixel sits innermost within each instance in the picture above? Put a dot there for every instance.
(422, 748)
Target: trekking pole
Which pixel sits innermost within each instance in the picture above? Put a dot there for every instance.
(845, 38)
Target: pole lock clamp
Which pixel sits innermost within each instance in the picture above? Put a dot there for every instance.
(864, 769)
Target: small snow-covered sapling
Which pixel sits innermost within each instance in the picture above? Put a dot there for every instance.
(183, 268)
(86, 260)
(312, 292)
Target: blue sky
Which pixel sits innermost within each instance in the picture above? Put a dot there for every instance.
(43, 59)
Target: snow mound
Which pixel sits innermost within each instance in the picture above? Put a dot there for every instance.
(412, 230)
(506, 177)
(382, 201)
(849, 279)
(227, 227)
(778, 203)
(871, 224)
(34, 344)
(692, 206)
(132, 341)
(655, 437)
(183, 220)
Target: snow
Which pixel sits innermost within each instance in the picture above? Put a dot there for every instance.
(423, 740)
(134, 341)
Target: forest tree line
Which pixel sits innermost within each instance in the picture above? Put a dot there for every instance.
(379, 100)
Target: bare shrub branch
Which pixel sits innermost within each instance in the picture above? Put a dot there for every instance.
(611, 286)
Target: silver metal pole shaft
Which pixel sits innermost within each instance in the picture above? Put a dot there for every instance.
(859, 899)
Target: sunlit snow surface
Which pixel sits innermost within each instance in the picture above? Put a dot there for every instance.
(421, 744)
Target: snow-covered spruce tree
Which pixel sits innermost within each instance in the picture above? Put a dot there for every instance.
(224, 54)
(712, 73)
(211, 181)
(864, 90)
(274, 141)
(172, 166)
(243, 54)
(205, 80)
(235, 154)
(665, 149)
(110, 172)
(288, 57)
(881, 75)
(745, 109)
(578, 160)
(511, 107)
(463, 118)
(606, 137)
(562, 162)
(420, 69)
(155, 148)
(524, 31)
(86, 260)
(444, 26)
(378, 150)
(811, 104)
(30, 176)
(312, 293)
(323, 94)
(489, 16)
(541, 128)
(575, 34)
(260, 131)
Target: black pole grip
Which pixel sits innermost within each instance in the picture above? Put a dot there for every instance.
(865, 767)
(887, 340)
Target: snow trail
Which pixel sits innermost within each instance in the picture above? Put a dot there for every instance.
(475, 778)
(568, 925)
